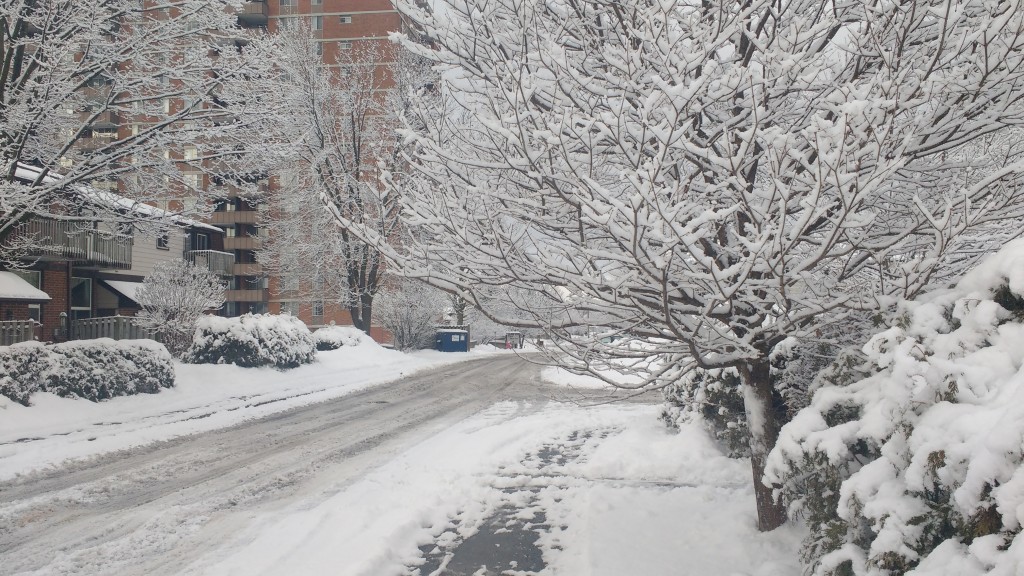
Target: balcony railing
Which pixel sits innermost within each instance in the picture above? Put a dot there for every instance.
(253, 14)
(213, 260)
(255, 295)
(76, 242)
(242, 243)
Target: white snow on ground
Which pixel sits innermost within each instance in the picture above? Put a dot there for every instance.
(206, 397)
(640, 501)
(563, 377)
(627, 496)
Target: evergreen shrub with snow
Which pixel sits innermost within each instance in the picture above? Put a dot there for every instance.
(714, 398)
(334, 337)
(252, 340)
(91, 369)
(913, 462)
(23, 368)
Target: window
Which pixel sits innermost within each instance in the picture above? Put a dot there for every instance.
(316, 22)
(192, 181)
(167, 105)
(191, 153)
(163, 241)
(345, 19)
(287, 2)
(291, 308)
(81, 298)
(316, 2)
(319, 48)
(288, 23)
(35, 278)
(345, 45)
(202, 242)
(318, 308)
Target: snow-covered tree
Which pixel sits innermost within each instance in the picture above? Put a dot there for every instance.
(918, 468)
(710, 178)
(328, 132)
(109, 93)
(410, 310)
(173, 298)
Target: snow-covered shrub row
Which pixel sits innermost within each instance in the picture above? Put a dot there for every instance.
(252, 340)
(334, 337)
(918, 467)
(92, 369)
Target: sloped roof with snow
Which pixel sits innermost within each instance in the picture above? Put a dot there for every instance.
(14, 287)
(111, 200)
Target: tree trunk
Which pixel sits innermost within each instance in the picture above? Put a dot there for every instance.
(361, 312)
(764, 422)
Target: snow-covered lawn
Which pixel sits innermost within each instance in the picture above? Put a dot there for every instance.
(206, 397)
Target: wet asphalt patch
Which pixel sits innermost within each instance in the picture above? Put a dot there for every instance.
(506, 541)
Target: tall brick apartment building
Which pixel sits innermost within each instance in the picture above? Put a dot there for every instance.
(341, 28)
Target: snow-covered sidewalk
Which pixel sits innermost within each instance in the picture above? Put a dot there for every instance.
(607, 490)
(206, 397)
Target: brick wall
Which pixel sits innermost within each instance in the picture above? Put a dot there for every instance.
(55, 284)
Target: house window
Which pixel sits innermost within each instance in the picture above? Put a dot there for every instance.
(345, 45)
(287, 23)
(81, 298)
(345, 19)
(318, 309)
(319, 48)
(287, 2)
(35, 278)
(291, 308)
(191, 153)
(316, 2)
(202, 242)
(317, 22)
(163, 241)
(192, 181)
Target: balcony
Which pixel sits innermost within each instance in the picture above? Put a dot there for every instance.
(219, 263)
(246, 269)
(106, 120)
(257, 295)
(253, 14)
(241, 243)
(59, 240)
(234, 217)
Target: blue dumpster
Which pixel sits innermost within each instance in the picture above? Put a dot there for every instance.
(452, 340)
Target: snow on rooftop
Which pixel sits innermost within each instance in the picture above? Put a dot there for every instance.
(14, 287)
(129, 289)
(112, 200)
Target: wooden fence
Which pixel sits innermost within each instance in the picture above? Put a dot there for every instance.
(14, 331)
(116, 327)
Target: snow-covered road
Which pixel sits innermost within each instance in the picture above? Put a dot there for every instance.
(159, 509)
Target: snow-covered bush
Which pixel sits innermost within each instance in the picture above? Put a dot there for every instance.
(23, 367)
(91, 369)
(918, 468)
(334, 337)
(173, 298)
(714, 398)
(252, 340)
(103, 368)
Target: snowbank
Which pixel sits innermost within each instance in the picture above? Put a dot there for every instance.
(206, 397)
